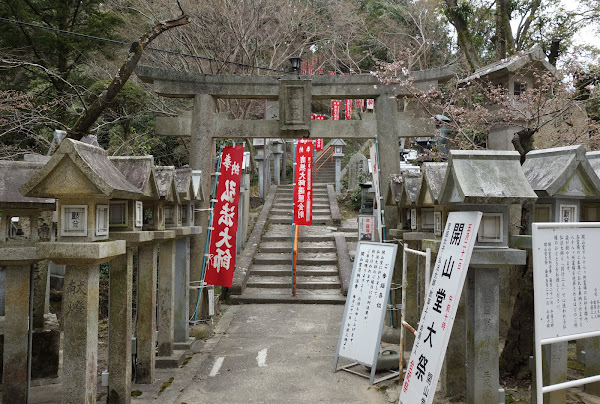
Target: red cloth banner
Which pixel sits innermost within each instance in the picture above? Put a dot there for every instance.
(312, 117)
(221, 262)
(321, 117)
(336, 106)
(303, 198)
(319, 144)
(348, 109)
(360, 104)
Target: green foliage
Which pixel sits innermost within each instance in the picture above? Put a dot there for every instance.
(354, 198)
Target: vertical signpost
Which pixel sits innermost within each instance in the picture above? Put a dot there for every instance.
(221, 259)
(437, 318)
(362, 324)
(566, 289)
(303, 195)
(377, 201)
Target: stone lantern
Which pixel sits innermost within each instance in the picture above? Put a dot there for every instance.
(433, 215)
(18, 255)
(338, 153)
(83, 180)
(166, 208)
(490, 182)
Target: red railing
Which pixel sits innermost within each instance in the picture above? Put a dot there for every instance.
(326, 156)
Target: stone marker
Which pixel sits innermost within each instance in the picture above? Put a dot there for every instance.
(357, 167)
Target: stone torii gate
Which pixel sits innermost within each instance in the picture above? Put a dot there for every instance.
(294, 94)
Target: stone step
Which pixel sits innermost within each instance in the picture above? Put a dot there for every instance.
(302, 282)
(286, 270)
(302, 244)
(288, 237)
(288, 219)
(290, 211)
(306, 296)
(290, 199)
(302, 249)
(303, 259)
(348, 229)
(290, 205)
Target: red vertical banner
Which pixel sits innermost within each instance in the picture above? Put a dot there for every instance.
(336, 105)
(360, 104)
(303, 197)
(348, 109)
(321, 117)
(221, 262)
(319, 144)
(312, 117)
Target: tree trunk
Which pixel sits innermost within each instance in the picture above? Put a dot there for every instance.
(94, 111)
(504, 41)
(465, 41)
(514, 359)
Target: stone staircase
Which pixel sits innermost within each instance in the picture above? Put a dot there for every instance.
(317, 273)
(325, 173)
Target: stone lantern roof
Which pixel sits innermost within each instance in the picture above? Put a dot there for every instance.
(183, 182)
(14, 175)
(165, 179)
(78, 170)
(534, 58)
(433, 179)
(139, 171)
(485, 177)
(411, 188)
(561, 171)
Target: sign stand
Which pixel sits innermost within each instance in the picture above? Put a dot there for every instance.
(565, 257)
(364, 313)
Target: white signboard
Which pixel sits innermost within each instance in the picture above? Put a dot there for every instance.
(376, 185)
(366, 303)
(439, 311)
(566, 281)
(566, 289)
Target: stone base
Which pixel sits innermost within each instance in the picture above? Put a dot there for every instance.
(168, 362)
(44, 356)
(184, 346)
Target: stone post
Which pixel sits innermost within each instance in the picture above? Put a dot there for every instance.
(182, 275)
(119, 330)
(386, 111)
(246, 205)
(202, 131)
(16, 326)
(338, 175)
(146, 306)
(80, 320)
(40, 279)
(166, 298)
(592, 364)
(2, 290)
(453, 375)
(482, 335)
